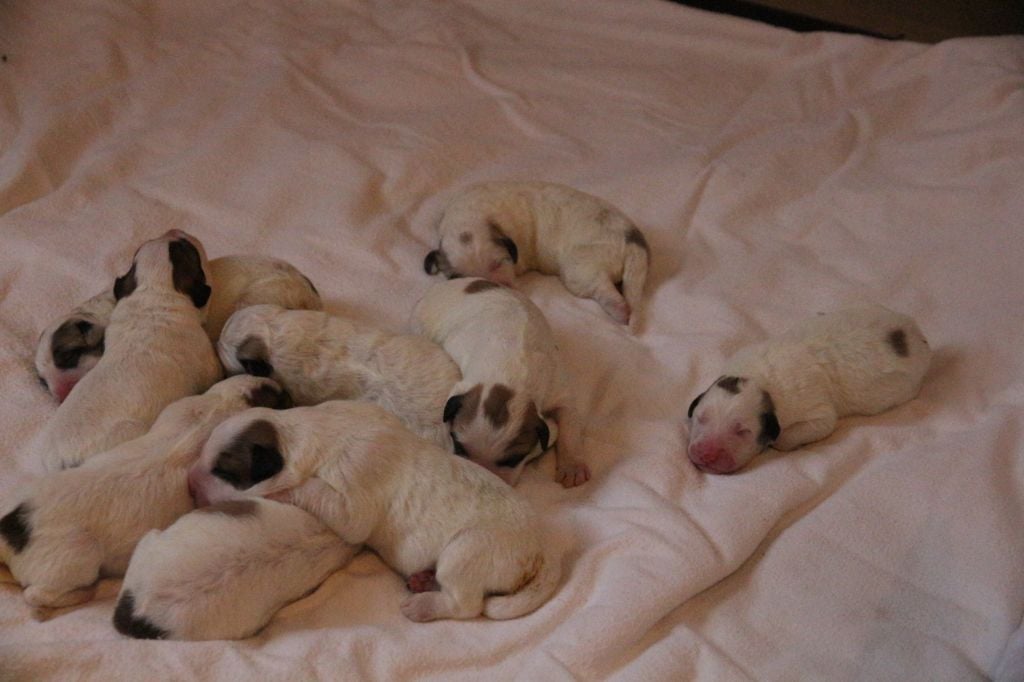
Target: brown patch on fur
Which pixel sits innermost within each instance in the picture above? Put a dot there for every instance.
(465, 238)
(478, 285)
(635, 236)
(496, 405)
(231, 508)
(731, 384)
(898, 340)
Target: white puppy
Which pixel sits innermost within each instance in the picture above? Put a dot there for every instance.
(790, 390)
(318, 357)
(357, 469)
(155, 353)
(499, 230)
(73, 344)
(513, 400)
(71, 527)
(222, 572)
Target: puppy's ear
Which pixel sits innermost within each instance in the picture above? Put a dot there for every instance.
(693, 405)
(543, 434)
(430, 263)
(513, 250)
(253, 456)
(188, 275)
(266, 395)
(769, 429)
(125, 284)
(252, 356)
(452, 407)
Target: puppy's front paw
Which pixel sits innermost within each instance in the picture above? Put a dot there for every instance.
(421, 608)
(572, 474)
(424, 581)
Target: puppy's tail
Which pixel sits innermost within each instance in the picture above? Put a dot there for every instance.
(634, 273)
(530, 596)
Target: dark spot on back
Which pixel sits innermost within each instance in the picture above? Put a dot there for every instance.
(478, 285)
(127, 623)
(898, 340)
(731, 384)
(73, 339)
(187, 271)
(635, 236)
(496, 405)
(238, 508)
(253, 456)
(125, 284)
(252, 355)
(15, 527)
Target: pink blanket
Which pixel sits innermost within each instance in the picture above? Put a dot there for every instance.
(774, 174)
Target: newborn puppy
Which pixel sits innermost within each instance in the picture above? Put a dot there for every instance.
(357, 469)
(513, 395)
(155, 353)
(72, 345)
(319, 357)
(499, 230)
(790, 390)
(222, 572)
(71, 527)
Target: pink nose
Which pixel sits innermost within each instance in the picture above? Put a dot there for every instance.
(711, 456)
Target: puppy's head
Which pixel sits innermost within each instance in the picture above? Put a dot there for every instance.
(67, 350)
(245, 455)
(173, 261)
(243, 346)
(222, 400)
(478, 249)
(730, 423)
(497, 428)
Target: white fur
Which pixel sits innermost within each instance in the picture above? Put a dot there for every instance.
(319, 357)
(222, 572)
(237, 282)
(156, 352)
(498, 337)
(828, 367)
(556, 230)
(84, 522)
(356, 468)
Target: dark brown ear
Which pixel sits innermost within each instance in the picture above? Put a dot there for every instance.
(266, 395)
(496, 405)
(770, 428)
(253, 456)
(252, 355)
(693, 405)
(543, 435)
(125, 284)
(189, 277)
(430, 263)
(513, 250)
(72, 340)
(452, 407)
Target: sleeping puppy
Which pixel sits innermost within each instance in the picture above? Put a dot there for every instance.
(790, 390)
(71, 527)
(499, 230)
(513, 400)
(318, 357)
(73, 344)
(357, 469)
(155, 353)
(222, 572)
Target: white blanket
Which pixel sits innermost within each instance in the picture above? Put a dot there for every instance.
(774, 174)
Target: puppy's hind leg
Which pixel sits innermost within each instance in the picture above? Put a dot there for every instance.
(69, 576)
(588, 282)
(570, 471)
(462, 574)
(807, 431)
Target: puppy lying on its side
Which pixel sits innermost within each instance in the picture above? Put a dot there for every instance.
(791, 390)
(512, 380)
(357, 469)
(318, 357)
(155, 353)
(72, 345)
(222, 572)
(71, 527)
(499, 230)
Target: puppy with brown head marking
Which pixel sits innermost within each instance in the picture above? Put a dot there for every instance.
(223, 571)
(513, 401)
(319, 357)
(71, 527)
(499, 230)
(357, 469)
(155, 351)
(73, 344)
(791, 390)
